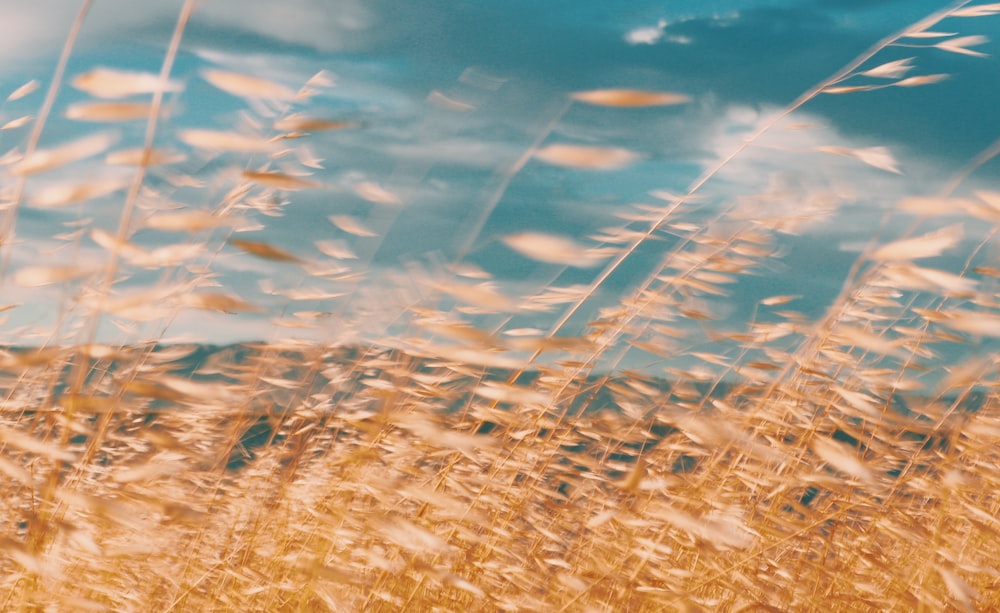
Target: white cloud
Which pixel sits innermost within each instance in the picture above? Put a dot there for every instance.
(322, 24)
(785, 174)
(651, 35)
(31, 29)
(647, 35)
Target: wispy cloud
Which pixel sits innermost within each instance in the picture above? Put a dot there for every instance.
(37, 28)
(646, 35)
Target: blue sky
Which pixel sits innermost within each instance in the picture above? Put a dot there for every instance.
(446, 96)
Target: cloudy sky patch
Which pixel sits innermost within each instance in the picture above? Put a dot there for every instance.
(446, 105)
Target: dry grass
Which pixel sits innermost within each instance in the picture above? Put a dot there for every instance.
(458, 463)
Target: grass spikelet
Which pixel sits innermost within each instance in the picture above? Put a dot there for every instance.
(301, 123)
(15, 471)
(220, 140)
(24, 441)
(555, 249)
(336, 250)
(629, 98)
(920, 80)
(440, 100)
(20, 122)
(161, 257)
(983, 324)
(246, 86)
(961, 591)
(279, 180)
(961, 45)
(929, 279)
(109, 111)
(373, 192)
(23, 91)
(778, 300)
(72, 193)
(840, 457)
(858, 337)
(186, 221)
(586, 157)
(264, 250)
(47, 159)
(932, 206)
(144, 157)
(890, 70)
(928, 245)
(483, 295)
(412, 537)
(512, 395)
(879, 157)
(351, 225)
(110, 83)
(35, 276)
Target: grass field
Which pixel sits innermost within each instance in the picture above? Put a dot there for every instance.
(457, 462)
